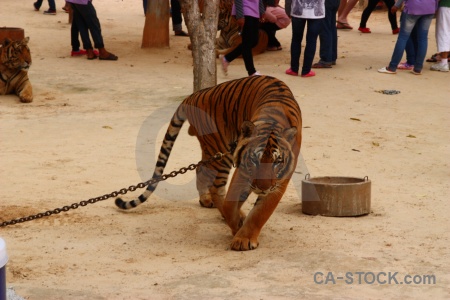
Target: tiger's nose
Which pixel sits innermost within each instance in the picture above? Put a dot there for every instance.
(264, 185)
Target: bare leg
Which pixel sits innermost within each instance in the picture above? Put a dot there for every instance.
(344, 9)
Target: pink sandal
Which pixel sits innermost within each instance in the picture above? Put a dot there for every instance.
(290, 72)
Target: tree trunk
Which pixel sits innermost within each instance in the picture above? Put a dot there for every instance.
(201, 20)
(156, 28)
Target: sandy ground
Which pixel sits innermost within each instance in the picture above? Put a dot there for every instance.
(94, 128)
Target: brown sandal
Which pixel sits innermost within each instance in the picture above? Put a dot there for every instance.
(341, 25)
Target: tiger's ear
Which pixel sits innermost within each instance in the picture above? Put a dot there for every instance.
(290, 134)
(247, 128)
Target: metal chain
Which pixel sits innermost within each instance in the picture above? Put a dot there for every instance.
(218, 156)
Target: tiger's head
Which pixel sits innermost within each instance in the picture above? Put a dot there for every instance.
(265, 155)
(15, 54)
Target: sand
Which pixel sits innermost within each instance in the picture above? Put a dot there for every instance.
(94, 127)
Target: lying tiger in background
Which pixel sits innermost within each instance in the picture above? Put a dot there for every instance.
(15, 60)
(229, 37)
(256, 122)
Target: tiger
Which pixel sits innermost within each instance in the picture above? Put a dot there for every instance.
(229, 36)
(255, 122)
(15, 60)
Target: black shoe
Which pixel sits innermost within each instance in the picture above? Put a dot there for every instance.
(50, 12)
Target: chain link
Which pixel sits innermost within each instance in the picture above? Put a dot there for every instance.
(218, 156)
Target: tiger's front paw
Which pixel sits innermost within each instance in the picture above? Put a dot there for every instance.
(206, 201)
(26, 98)
(26, 94)
(243, 244)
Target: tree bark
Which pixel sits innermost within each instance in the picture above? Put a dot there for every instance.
(156, 28)
(201, 19)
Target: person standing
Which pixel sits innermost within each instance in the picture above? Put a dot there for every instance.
(328, 36)
(303, 13)
(248, 14)
(417, 13)
(368, 11)
(51, 4)
(442, 36)
(85, 18)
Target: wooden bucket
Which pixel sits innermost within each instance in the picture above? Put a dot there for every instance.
(336, 196)
(13, 33)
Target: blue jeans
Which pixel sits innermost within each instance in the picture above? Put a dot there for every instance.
(328, 35)
(411, 45)
(408, 23)
(312, 32)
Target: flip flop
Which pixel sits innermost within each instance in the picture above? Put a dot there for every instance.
(341, 25)
(93, 57)
(109, 57)
(274, 48)
(181, 33)
(320, 65)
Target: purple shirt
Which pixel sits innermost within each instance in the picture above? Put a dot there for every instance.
(84, 2)
(249, 8)
(420, 7)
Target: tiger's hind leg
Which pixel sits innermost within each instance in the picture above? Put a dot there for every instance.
(211, 183)
(212, 180)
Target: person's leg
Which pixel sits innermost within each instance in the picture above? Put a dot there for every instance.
(271, 29)
(312, 32)
(342, 17)
(74, 41)
(298, 28)
(177, 18)
(342, 5)
(325, 36)
(367, 12)
(443, 34)
(81, 25)
(89, 15)
(334, 37)
(392, 17)
(37, 5)
(51, 5)
(408, 23)
(144, 3)
(250, 34)
(423, 25)
(411, 47)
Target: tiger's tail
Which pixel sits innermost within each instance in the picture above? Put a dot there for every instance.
(172, 132)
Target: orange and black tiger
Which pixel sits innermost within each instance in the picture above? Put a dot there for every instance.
(256, 122)
(15, 60)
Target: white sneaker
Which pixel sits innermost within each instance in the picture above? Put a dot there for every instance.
(439, 67)
(224, 63)
(256, 74)
(386, 71)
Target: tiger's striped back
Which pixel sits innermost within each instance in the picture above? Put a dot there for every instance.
(216, 116)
